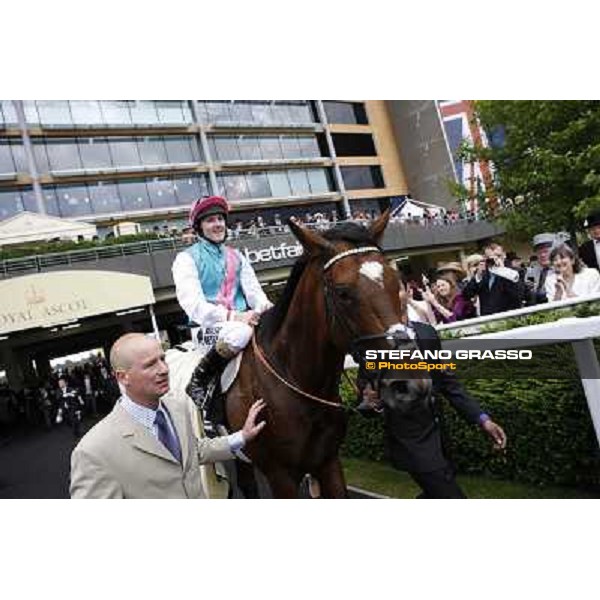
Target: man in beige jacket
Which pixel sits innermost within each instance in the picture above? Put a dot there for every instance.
(146, 448)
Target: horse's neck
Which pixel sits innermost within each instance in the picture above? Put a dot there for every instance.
(303, 348)
(314, 367)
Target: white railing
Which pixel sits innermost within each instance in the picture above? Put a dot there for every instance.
(579, 332)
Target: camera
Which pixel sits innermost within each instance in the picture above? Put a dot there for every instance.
(490, 262)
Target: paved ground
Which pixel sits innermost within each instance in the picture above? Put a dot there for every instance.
(35, 463)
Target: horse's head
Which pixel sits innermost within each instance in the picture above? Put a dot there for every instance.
(358, 288)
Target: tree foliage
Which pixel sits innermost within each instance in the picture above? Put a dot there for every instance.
(548, 162)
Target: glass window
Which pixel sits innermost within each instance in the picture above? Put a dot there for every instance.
(7, 164)
(94, 153)
(50, 201)
(134, 194)
(31, 112)
(280, 113)
(279, 182)
(352, 113)
(105, 197)
(10, 203)
(10, 114)
(270, 147)
(260, 112)
(300, 112)
(143, 112)
(41, 156)
(152, 151)
(54, 112)
(182, 149)
(309, 147)
(233, 186)
(19, 157)
(319, 183)
(218, 110)
(173, 111)
(29, 201)
(189, 189)
(299, 182)
(360, 178)
(226, 148)
(241, 112)
(86, 112)
(291, 146)
(162, 193)
(258, 185)
(249, 147)
(63, 154)
(124, 152)
(73, 200)
(202, 113)
(116, 112)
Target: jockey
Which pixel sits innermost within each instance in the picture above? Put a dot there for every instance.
(218, 290)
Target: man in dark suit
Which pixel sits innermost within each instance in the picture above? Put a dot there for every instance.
(413, 427)
(497, 287)
(589, 251)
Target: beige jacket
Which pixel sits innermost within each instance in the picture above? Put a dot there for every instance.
(119, 458)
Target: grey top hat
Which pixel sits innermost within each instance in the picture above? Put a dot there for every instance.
(543, 239)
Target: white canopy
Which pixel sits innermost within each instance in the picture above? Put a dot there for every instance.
(33, 227)
(415, 208)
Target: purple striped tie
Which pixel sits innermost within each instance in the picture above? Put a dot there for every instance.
(166, 437)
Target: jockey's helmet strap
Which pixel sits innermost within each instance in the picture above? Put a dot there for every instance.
(351, 252)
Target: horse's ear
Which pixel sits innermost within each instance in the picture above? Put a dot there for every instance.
(378, 226)
(311, 241)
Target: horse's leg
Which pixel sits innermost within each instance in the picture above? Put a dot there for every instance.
(331, 479)
(282, 483)
(246, 480)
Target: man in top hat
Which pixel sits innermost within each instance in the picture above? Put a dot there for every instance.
(589, 251)
(535, 277)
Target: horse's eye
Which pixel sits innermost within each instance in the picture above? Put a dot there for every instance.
(344, 293)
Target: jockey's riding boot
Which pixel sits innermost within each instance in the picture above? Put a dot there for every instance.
(210, 366)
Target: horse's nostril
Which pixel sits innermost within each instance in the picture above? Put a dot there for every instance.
(400, 387)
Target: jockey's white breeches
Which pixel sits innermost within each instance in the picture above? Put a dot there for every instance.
(235, 335)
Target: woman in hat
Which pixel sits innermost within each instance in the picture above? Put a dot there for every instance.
(217, 288)
(447, 303)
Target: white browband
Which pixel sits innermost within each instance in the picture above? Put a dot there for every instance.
(350, 253)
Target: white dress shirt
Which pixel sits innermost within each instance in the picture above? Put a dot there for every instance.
(146, 417)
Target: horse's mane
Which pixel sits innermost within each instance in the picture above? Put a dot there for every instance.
(271, 321)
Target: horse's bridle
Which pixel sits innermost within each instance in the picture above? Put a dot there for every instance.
(331, 314)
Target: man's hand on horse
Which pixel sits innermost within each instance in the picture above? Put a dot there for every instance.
(251, 428)
(496, 433)
(371, 397)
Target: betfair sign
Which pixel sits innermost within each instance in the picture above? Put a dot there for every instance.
(272, 253)
(48, 299)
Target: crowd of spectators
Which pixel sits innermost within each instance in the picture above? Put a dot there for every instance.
(496, 281)
(63, 398)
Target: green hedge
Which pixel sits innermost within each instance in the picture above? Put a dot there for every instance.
(550, 435)
(36, 248)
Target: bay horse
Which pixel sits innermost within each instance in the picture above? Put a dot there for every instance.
(340, 291)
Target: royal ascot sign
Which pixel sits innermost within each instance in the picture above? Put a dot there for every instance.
(48, 299)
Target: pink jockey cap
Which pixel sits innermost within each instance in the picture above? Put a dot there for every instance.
(206, 206)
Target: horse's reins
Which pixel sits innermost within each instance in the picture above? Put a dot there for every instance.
(263, 359)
